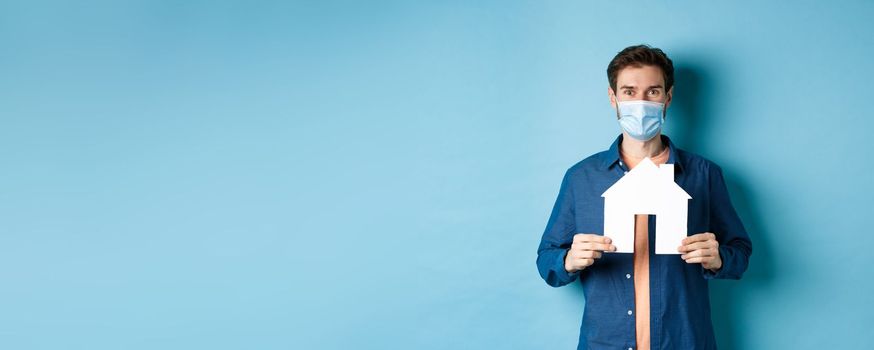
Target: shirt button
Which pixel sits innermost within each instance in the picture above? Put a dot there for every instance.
(629, 312)
(627, 275)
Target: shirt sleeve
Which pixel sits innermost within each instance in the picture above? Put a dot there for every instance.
(557, 238)
(735, 246)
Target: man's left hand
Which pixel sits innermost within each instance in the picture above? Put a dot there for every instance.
(702, 248)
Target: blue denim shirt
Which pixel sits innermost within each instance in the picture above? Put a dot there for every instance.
(680, 301)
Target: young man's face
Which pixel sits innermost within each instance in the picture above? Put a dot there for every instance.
(640, 83)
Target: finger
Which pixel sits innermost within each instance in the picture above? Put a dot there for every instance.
(696, 246)
(584, 262)
(579, 237)
(700, 237)
(593, 238)
(698, 260)
(698, 253)
(597, 246)
(594, 254)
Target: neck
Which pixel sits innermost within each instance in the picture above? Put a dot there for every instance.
(637, 149)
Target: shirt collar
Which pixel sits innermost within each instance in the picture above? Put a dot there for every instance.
(611, 157)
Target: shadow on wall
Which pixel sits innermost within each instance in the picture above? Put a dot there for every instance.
(693, 96)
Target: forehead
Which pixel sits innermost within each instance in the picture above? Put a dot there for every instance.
(640, 76)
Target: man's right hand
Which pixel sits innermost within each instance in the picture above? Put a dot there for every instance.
(586, 248)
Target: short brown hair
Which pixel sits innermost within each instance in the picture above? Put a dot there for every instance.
(638, 56)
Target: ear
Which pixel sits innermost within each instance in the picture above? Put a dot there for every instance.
(612, 95)
(669, 98)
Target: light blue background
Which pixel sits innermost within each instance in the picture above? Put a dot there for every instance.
(375, 175)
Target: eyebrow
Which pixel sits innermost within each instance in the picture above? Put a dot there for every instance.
(632, 87)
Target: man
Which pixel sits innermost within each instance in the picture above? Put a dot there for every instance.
(643, 300)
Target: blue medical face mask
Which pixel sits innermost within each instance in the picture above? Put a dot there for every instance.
(641, 119)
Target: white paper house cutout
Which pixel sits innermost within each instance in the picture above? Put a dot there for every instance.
(646, 189)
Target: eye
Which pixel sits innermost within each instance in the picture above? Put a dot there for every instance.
(654, 92)
(628, 92)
